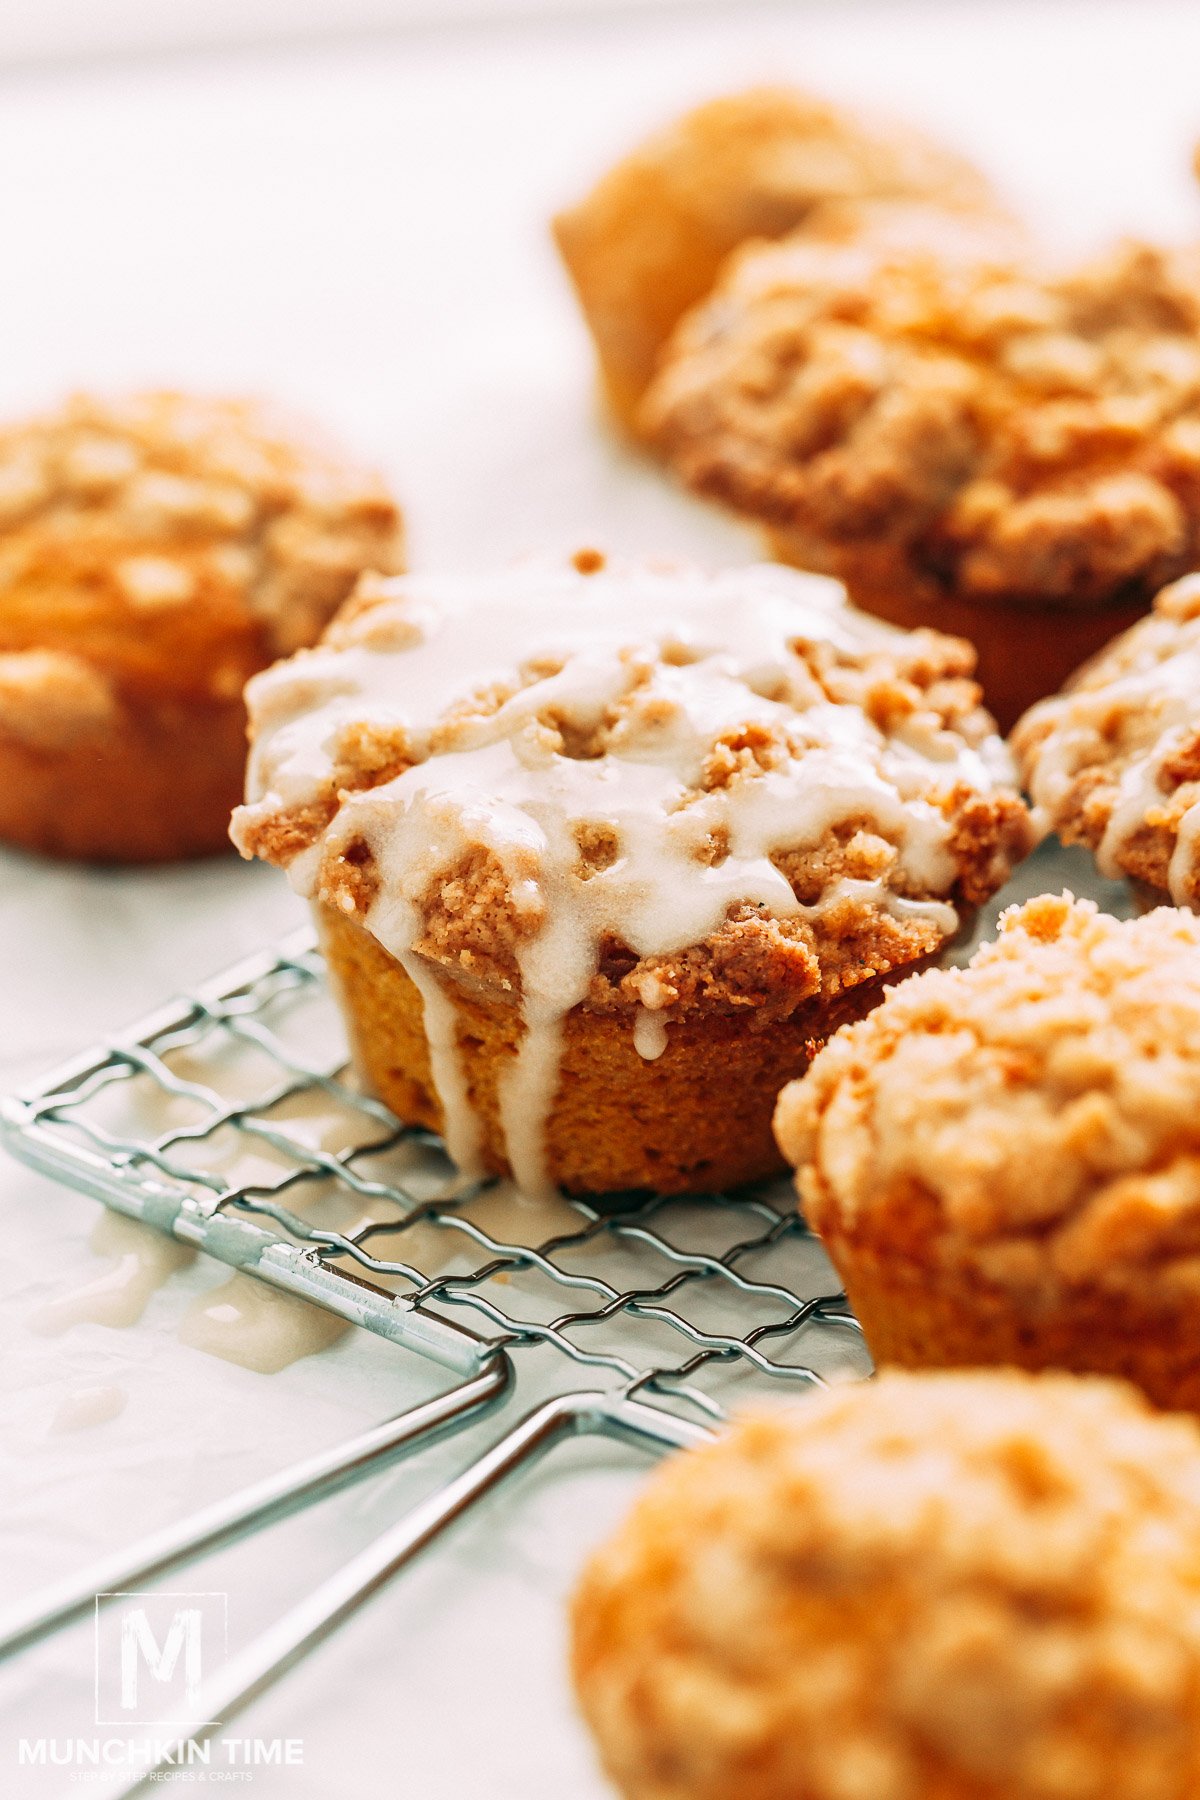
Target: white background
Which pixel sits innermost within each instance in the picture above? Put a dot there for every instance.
(35, 31)
(361, 228)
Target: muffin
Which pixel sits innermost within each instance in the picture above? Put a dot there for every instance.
(155, 551)
(600, 856)
(980, 1586)
(1003, 1162)
(968, 439)
(1113, 762)
(648, 241)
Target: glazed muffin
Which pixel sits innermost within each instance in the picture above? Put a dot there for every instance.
(1114, 761)
(600, 856)
(980, 1586)
(967, 439)
(155, 551)
(647, 243)
(1003, 1162)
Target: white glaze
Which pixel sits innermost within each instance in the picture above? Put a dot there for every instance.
(666, 664)
(247, 1322)
(649, 1034)
(460, 1122)
(243, 1321)
(143, 1259)
(86, 1407)
(527, 1091)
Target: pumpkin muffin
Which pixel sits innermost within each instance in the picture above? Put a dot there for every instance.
(969, 439)
(979, 1586)
(1113, 762)
(601, 856)
(648, 241)
(1003, 1162)
(155, 551)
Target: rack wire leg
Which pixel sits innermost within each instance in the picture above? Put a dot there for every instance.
(312, 1620)
(234, 1517)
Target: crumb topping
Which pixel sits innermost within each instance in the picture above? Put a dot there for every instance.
(913, 382)
(1070, 1046)
(144, 534)
(633, 789)
(980, 1583)
(1113, 762)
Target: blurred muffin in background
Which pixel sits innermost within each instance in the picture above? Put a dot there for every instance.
(648, 241)
(968, 439)
(979, 1586)
(155, 551)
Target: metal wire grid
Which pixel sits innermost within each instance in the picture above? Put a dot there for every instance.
(226, 1119)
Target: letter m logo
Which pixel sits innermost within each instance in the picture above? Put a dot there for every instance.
(153, 1652)
(139, 1645)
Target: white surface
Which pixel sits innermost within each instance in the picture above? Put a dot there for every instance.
(39, 30)
(363, 231)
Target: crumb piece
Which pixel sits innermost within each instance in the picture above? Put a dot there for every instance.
(155, 581)
(280, 836)
(50, 701)
(349, 878)
(473, 922)
(599, 847)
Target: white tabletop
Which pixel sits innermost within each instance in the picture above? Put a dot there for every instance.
(362, 230)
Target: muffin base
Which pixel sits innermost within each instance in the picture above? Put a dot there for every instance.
(1024, 651)
(695, 1120)
(918, 1317)
(157, 785)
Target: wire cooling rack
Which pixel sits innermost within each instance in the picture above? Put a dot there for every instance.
(229, 1120)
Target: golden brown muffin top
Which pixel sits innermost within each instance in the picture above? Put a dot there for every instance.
(647, 788)
(161, 542)
(1010, 432)
(979, 1586)
(649, 239)
(1035, 1115)
(1113, 761)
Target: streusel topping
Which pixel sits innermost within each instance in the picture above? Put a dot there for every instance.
(164, 519)
(646, 789)
(981, 1583)
(1044, 1102)
(1114, 761)
(1010, 432)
